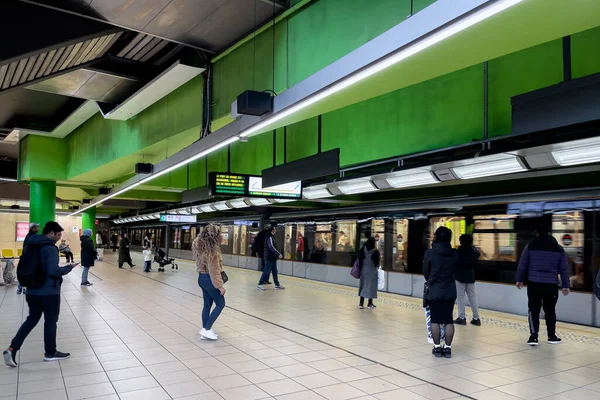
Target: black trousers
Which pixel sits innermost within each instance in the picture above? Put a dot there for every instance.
(38, 305)
(542, 295)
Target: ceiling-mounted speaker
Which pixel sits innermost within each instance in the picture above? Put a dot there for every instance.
(254, 103)
(144, 168)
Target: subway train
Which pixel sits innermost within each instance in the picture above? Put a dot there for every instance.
(501, 227)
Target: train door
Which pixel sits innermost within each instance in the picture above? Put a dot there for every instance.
(418, 241)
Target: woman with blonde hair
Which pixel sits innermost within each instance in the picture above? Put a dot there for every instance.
(207, 252)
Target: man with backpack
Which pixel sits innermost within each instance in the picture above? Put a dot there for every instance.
(39, 272)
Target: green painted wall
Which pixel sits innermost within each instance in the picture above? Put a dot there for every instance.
(43, 158)
(99, 141)
(254, 156)
(438, 113)
(585, 53)
(518, 73)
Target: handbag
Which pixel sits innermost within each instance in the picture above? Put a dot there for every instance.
(426, 288)
(355, 271)
(380, 279)
(224, 277)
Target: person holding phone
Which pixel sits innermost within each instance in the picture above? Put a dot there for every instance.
(45, 299)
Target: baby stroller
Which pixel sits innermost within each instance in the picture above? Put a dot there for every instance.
(161, 260)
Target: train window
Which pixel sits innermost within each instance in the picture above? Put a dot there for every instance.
(287, 246)
(456, 224)
(495, 238)
(236, 236)
(224, 235)
(378, 232)
(300, 244)
(568, 230)
(346, 237)
(175, 237)
(400, 248)
(323, 238)
(243, 239)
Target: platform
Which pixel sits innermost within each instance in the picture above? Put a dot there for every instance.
(135, 336)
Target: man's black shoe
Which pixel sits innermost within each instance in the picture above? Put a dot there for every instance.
(460, 321)
(533, 340)
(476, 322)
(57, 356)
(554, 339)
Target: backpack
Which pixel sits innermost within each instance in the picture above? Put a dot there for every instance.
(29, 271)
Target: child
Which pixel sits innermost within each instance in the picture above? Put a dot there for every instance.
(147, 260)
(428, 321)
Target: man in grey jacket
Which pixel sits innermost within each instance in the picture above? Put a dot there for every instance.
(45, 299)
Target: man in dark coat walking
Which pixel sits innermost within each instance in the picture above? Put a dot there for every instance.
(124, 255)
(88, 255)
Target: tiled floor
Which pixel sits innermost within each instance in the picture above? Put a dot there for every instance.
(134, 336)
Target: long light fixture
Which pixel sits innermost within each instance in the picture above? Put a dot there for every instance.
(207, 208)
(489, 168)
(196, 210)
(577, 155)
(162, 172)
(7, 179)
(316, 192)
(238, 203)
(356, 186)
(379, 66)
(412, 49)
(258, 201)
(402, 180)
(221, 206)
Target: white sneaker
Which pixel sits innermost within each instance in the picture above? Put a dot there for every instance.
(208, 334)
(430, 340)
(260, 287)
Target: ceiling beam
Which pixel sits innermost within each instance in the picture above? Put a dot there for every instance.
(96, 19)
(33, 30)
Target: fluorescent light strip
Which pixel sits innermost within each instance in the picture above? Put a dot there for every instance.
(259, 201)
(163, 172)
(357, 186)
(406, 180)
(207, 208)
(238, 203)
(222, 206)
(489, 168)
(577, 155)
(316, 193)
(7, 179)
(413, 49)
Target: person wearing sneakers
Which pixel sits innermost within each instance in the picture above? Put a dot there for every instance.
(44, 299)
(465, 280)
(207, 252)
(439, 264)
(88, 256)
(271, 255)
(541, 262)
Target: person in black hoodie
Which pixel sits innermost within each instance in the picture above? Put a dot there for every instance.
(465, 280)
(88, 256)
(439, 265)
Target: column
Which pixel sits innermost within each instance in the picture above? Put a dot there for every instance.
(88, 221)
(42, 202)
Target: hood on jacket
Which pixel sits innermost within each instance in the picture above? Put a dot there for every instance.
(84, 237)
(39, 239)
(443, 249)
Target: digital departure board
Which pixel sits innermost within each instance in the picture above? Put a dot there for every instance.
(224, 184)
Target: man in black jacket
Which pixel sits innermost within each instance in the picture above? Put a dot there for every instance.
(45, 299)
(258, 247)
(465, 280)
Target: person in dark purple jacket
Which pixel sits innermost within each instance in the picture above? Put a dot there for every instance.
(541, 262)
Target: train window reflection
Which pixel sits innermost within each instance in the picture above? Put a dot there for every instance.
(495, 238)
(323, 238)
(568, 230)
(243, 240)
(236, 235)
(288, 243)
(378, 232)
(224, 235)
(300, 243)
(400, 248)
(346, 237)
(456, 224)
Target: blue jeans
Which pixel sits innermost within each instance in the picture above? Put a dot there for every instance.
(211, 295)
(84, 274)
(269, 266)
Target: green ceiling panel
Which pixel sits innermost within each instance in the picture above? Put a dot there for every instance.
(281, 145)
(217, 161)
(302, 139)
(254, 156)
(519, 73)
(585, 53)
(418, 5)
(438, 113)
(197, 173)
(100, 141)
(43, 158)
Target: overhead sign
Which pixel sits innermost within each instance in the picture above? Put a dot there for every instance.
(177, 218)
(22, 231)
(224, 184)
